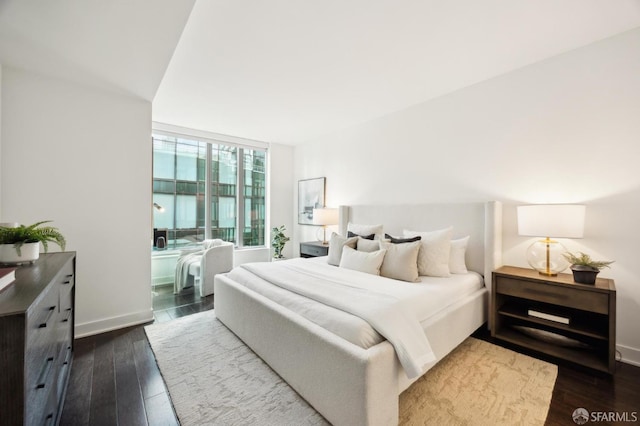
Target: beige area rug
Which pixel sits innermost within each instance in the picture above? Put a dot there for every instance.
(214, 379)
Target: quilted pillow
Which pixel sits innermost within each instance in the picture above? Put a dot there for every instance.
(435, 248)
(457, 264)
(360, 229)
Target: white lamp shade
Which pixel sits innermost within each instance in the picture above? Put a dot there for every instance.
(551, 220)
(325, 216)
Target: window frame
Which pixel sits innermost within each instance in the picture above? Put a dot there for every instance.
(241, 144)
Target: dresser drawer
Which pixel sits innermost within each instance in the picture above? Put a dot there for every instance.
(66, 280)
(542, 292)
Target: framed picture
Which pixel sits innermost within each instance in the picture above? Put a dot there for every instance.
(310, 196)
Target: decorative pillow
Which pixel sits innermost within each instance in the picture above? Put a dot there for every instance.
(365, 229)
(367, 245)
(401, 261)
(435, 247)
(366, 237)
(395, 240)
(457, 264)
(336, 243)
(362, 261)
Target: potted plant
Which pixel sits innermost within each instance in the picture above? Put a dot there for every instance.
(21, 244)
(278, 241)
(584, 268)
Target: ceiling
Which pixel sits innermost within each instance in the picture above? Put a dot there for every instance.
(118, 45)
(287, 70)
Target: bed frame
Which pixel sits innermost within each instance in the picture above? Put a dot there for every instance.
(345, 383)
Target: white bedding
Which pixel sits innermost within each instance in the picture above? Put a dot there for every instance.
(424, 300)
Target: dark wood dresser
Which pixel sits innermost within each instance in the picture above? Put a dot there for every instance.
(36, 340)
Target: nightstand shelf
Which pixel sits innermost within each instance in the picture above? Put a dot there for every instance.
(589, 337)
(595, 331)
(588, 358)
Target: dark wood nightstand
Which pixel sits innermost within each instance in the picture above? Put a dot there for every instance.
(313, 249)
(586, 314)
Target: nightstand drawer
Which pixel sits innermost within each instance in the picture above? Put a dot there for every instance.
(563, 296)
(313, 250)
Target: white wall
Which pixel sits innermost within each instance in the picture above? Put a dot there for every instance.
(1, 142)
(82, 158)
(281, 192)
(565, 130)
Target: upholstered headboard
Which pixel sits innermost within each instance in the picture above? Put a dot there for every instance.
(481, 221)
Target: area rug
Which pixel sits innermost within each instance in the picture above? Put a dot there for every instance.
(214, 379)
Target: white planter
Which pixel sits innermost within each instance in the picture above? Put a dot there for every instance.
(29, 253)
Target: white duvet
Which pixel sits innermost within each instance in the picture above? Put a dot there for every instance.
(359, 307)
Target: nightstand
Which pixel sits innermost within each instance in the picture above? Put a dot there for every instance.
(313, 249)
(581, 317)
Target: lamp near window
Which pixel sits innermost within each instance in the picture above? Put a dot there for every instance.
(158, 207)
(550, 220)
(325, 217)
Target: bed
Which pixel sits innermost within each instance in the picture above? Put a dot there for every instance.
(355, 377)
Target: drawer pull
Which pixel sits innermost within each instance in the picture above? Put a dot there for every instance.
(49, 314)
(66, 319)
(44, 374)
(66, 282)
(69, 275)
(545, 293)
(49, 419)
(66, 358)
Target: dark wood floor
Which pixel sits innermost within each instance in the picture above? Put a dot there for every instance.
(115, 379)
(114, 376)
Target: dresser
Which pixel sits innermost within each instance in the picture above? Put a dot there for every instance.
(559, 317)
(313, 249)
(36, 340)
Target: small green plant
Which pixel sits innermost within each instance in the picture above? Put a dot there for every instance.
(31, 234)
(583, 259)
(278, 241)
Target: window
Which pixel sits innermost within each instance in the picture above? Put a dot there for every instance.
(209, 190)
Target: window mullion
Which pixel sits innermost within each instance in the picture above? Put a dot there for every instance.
(240, 198)
(207, 193)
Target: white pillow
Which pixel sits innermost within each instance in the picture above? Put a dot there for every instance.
(401, 261)
(336, 243)
(457, 264)
(435, 247)
(366, 230)
(362, 261)
(367, 245)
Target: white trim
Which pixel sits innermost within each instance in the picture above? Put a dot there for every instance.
(629, 355)
(113, 323)
(177, 131)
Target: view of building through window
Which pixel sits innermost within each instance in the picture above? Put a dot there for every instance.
(183, 169)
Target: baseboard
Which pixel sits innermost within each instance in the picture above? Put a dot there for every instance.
(629, 355)
(113, 323)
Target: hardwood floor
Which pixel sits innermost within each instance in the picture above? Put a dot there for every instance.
(115, 379)
(114, 376)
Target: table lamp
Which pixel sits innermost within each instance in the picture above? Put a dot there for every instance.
(550, 221)
(325, 217)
